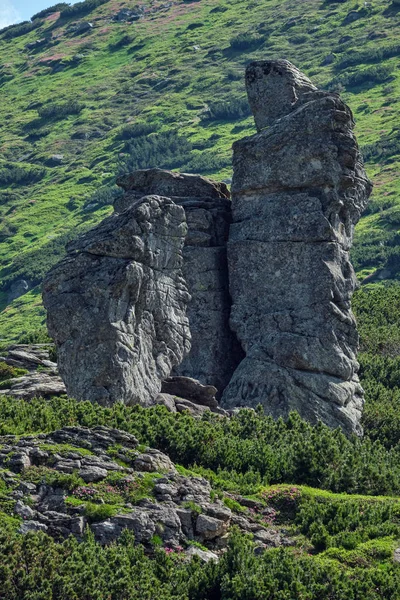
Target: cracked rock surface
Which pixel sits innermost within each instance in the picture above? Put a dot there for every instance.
(116, 305)
(54, 480)
(299, 187)
(215, 352)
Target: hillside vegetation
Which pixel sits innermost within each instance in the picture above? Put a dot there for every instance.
(89, 92)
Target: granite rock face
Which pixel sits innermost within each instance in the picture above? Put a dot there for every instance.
(298, 189)
(215, 352)
(116, 305)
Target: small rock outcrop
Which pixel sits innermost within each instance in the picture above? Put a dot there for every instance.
(40, 375)
(116, 305)
(151, 498)
(298, 189)
(215, 352)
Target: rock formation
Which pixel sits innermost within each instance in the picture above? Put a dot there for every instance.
(215, 352)
(178, 509)
(269, 276)
(298, 189)
(116, 305)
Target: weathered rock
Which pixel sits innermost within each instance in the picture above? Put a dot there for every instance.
(204, 555)
(215, 352)
(17, 288)
(299, 187)
(35, 385)
(209, 528)
(153, 461)
(116, 305)
(196, 410)
(28, 526)
(90, 473)
(190, 389)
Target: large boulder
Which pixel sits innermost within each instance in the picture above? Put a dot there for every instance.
(215, 352)
(116, 305)
(299, 187)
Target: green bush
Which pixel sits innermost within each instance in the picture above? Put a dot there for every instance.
(246, 41)
(368, 75)
(60, 110)
(13, 174)
(81, 8)
(243, 452)
(230, 110)
(167, 150)
(13, 31)
(8, 372)
(99, 512)
(48, 11)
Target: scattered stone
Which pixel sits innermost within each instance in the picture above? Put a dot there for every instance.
(28, 526)
(204, 555)
(90, 474)
(190, 389)
(299, 187)
(35, 385)
(17, 289)
(209, 528)
(196, 410)
(153, 461)
(116, 305)
(166, 400)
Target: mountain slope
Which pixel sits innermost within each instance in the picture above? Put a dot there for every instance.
(86, 95)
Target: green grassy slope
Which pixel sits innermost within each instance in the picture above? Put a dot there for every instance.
(167, 90)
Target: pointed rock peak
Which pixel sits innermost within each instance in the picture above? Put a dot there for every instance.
(274, 88)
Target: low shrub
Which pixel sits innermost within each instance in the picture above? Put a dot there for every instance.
(60, 110)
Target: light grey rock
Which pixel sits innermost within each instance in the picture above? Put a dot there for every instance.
(17, 288)
(196, 410)
(204, 555)
(28, 526)
(299, 187)
(36, 385)
(24, 511)
(208, 528)
(90, 474)
(215, 351)
(116, 305)
(166, 400)
(153, 461)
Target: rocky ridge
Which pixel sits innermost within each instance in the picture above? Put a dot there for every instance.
(57, 483)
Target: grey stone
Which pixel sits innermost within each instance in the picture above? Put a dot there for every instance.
(153, 461)
(166, 400)
(196, 410)
(36, 385)
(17, 288)
(24, 511)
(90, 474)
(190, 389)
(116, 305)
(209, 528)
(215, 351)
(299, 187)
(28, 526)
(204, 555)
